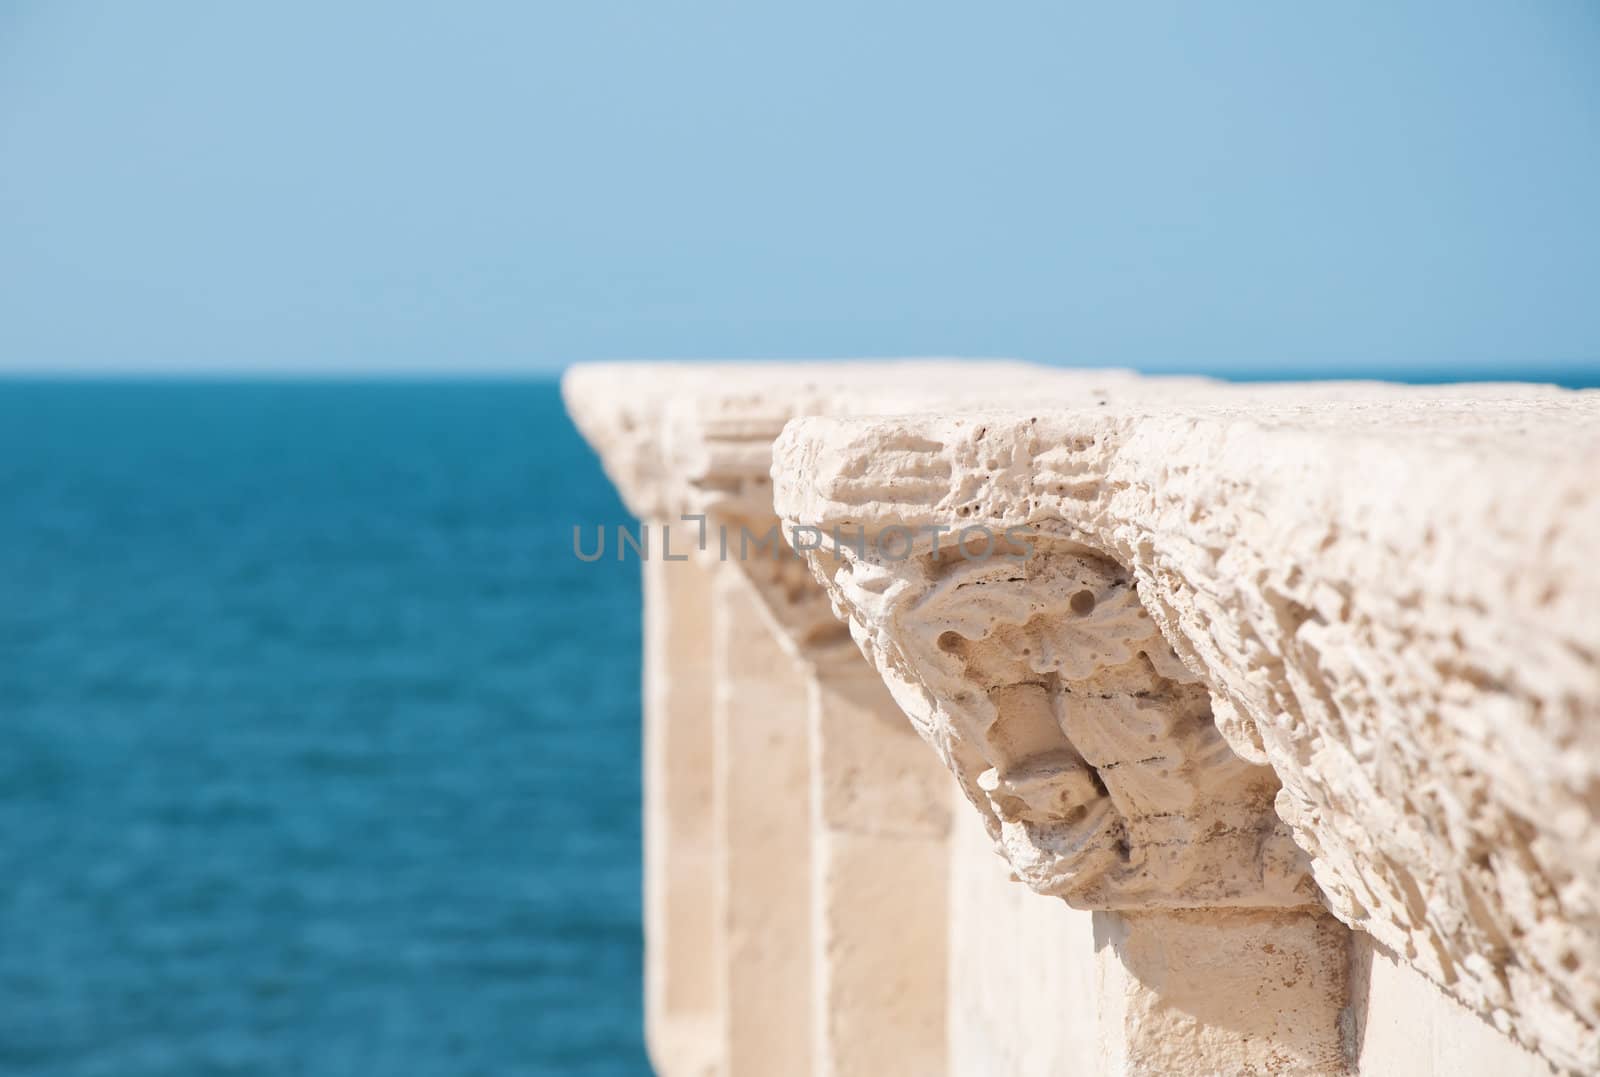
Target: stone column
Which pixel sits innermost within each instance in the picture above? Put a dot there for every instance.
(1023, 993)
(871, 915)
(683, 988)
(880, 916)
(763, 818)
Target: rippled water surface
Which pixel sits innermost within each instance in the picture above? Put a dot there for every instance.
(321, 748)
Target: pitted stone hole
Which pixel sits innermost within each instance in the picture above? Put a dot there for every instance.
(1011, 808)
(1099, 783)
(1083, 603)
(949, 642)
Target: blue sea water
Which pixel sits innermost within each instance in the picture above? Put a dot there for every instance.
(321, 750)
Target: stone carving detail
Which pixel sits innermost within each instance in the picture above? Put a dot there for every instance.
(1388, 594)
(1069, 722)
(795, 605)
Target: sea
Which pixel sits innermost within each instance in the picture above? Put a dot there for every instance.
(321, 749)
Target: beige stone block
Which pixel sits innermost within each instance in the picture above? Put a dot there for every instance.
(1022, 990)
(879, 881)
(683, 991)
(1221, 991)
(1398, 1022)
(763, 816)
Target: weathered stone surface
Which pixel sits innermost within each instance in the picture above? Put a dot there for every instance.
(1380, 598)
(1090, 748)
(1213, 991)
(1278, 648)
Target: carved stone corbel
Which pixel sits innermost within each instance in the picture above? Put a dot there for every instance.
(1092, 755)
(1070, 723)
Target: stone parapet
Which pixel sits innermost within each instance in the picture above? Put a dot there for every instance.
(1346, 630)
(1292, 690)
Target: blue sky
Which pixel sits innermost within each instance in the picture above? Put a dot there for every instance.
(471, 187)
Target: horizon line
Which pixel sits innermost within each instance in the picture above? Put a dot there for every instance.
(1572, 374)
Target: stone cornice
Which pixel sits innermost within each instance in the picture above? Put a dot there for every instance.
(694, 439)
(1382, 598)
(681, 437)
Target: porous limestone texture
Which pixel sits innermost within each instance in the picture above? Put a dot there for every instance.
(1212, 991)
(1258, 651)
